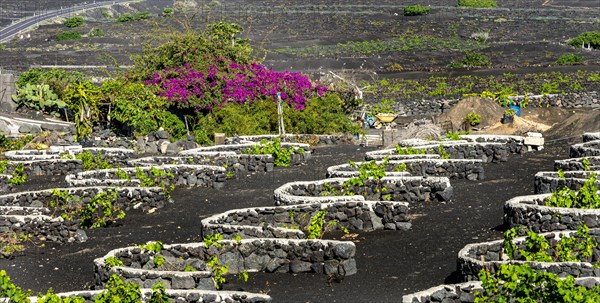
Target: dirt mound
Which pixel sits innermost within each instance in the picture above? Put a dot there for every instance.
(489, 111)
(574, 122)
(520, 126)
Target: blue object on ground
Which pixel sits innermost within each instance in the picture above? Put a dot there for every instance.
(517, 109)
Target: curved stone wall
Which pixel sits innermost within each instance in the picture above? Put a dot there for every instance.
(487, 152)
(231, 161)
(530, 211)
(269, 255)
(290, 221)
(548, 182)
(586, 149)
(587, 137)
(183, 175)
(293, 138)
(409, 189)
(48, 167)
(576, 164)
(179, 296)
(474, 257)
(465, 292)
(471, 169)
(31, 213)
(588, 99)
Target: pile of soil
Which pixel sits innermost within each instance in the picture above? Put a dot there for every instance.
(489, 111)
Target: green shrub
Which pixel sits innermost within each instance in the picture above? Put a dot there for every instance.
(569, 59)
(475, 59)
(130, 17)
(96, 32)
(68, 35)
(521, 283)
(74, 22)
(477, 3)
(473, 119)
(322, 115)
(415, 10)
(591, 38)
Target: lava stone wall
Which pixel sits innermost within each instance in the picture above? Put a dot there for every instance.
(571, 100)
(269, 255)
(29, 212)
(576, 164)
(531, 211)
(42, 227)
(179, 296)
(487, 152)
(277, 222)
(586, 149)
(293, 138)
(465, 292)
(489, 255)
(231, 162)
(184, 175)
(407, 189)
(548, 182)
(587, 137)
(471, 169)
(50, 167)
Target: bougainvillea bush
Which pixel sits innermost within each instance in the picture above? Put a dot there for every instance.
(187, 88)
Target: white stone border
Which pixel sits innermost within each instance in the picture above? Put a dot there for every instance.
(90, 176)
(474, 263)
(550, 181)
(208, 222)
(283, 195)
(343, 171)
(218, 296)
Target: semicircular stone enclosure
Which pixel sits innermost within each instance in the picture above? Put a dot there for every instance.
(375, 194)
(562, 229)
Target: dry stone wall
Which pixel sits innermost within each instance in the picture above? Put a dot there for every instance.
(471, 169)
(291, 221)
(548, 182)
(409, 189)
(31, 212)
(489, 255)
(181, 175)
(270, 255)
(231, 161)
(531, 212)
(178, 296)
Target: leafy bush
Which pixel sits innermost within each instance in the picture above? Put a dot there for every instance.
(587, 38)
(473, 119)
(569, 59)
(96, 32)
(74, 22)
(477, 3)
(521, 283)
(586, 197)
(472, 59)
(89, 161)
(129, 17)
(68, 35)
(415, 10)
(281, 156)
(322, 115)
(137, 107)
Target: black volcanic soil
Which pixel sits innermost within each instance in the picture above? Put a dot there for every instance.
(390, 263)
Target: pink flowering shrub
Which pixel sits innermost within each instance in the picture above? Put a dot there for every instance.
(223, 84)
